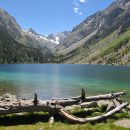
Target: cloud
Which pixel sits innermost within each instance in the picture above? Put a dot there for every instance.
(82, 1)
(76, 4)
(77, 11)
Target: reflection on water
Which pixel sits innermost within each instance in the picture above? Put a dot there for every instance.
(62, 80)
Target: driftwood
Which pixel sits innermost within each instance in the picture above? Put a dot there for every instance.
(76, 120)
(35, 100)
(29, 108)
(77, 100)
(88, 104)
(101, 97)
(11, 104)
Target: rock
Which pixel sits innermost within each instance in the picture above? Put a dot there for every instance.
(128, 107)
(8, 97)
(129, 113)
(2, 109)
(89, 105)
(72, 107)
(40, 128)
(123, 123)
(89, 109)
(103, 103)
(51, 120)
(19, 114)
(8, 100)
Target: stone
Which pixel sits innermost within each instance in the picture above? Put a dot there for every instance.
(89, 109)
(7, 95)
(2, 109)
(103, 103)
(19, 114)
(123, 123)
(129, 113)
(72, 107)
(128, 107)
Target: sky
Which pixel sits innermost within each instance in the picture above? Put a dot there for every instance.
(52, 16)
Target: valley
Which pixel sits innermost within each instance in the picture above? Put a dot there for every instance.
(102, 38)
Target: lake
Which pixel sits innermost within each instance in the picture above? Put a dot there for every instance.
(48, 80)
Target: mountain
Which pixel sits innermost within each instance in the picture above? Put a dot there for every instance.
(29, 38)
(9, 23)
(58, 38)
(101, 21)
(14, 42)
(12, 51)
(32, 31)
(101, 38)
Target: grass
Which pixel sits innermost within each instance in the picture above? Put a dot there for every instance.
(113, 46)
(122, 40)
(39, 121)
(62, 126)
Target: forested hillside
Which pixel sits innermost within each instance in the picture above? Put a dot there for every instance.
(13, 52)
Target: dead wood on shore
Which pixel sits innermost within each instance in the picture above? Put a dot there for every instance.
(10, 104)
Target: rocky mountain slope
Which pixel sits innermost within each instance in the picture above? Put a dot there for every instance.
(58, 38)
(102, 38)
(12, 51)
(25, 44)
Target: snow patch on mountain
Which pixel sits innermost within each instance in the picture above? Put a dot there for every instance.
(32, 33)
(58, 38)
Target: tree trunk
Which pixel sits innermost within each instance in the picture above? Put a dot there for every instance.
(77, 120)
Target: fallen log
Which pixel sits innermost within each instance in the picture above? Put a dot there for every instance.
(101, 97)
(77, 120)
(10, 104)
(88, 104)
(7, 100)
(77, 100)
(98, 97)
(30, 108)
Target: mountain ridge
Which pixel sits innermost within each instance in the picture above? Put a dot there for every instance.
(85, 41)
(92, 23)
(78, 48)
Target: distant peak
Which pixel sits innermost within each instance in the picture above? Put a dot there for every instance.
(59, 37)
(123, 1)
(1, 10)
(31, 30)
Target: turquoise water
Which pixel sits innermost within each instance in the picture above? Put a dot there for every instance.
(50, 81)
